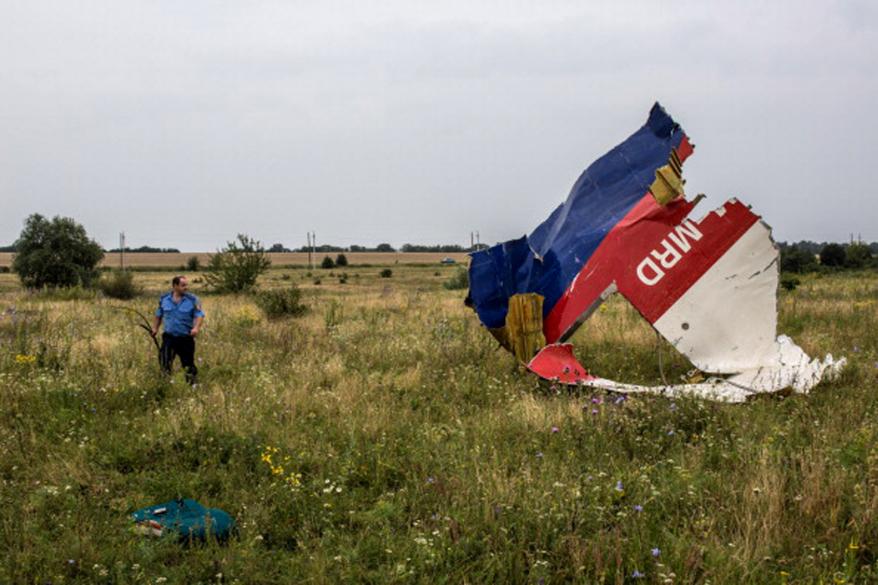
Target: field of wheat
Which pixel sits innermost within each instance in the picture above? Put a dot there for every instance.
(384, 438)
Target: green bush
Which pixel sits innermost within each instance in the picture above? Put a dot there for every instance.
(341, 260)
(386, 273)
(236, 267)
(193, 264)
(459, 280)
(119, 284)
(56, 253)
(283, 302)
(327, 263)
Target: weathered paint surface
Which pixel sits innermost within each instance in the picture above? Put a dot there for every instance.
(708, 286)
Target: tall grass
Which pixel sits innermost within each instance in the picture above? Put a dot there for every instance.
(413, 450)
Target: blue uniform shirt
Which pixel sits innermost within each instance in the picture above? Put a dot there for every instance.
(178, 317)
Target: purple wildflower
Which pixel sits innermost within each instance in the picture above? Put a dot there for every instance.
(539, 454)
(637, 575)
(619, 486)
(594, 410)
(431, 480)
(555, 429)
(656, 552)
(638, 508)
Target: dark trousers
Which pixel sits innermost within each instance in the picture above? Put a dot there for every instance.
(183, 346)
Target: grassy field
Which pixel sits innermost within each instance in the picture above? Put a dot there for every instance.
(173, 260)
(414, 450)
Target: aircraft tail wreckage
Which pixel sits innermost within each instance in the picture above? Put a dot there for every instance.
(708, 286)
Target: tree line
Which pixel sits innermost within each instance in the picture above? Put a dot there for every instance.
(808, 256)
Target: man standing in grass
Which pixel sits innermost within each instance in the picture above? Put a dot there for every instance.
(182, 314)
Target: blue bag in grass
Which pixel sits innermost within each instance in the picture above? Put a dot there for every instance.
(187, 518)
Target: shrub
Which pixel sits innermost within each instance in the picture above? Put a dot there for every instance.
(386, 273)
(832, 255)
(119, 284)
(327, 262)
(56, 253)
(341, 260)
(858, 256)
(236, 267)
(283, 302)
(193, 264)
(793, 259)
(317, 281)
(459, 280)
(789, 283)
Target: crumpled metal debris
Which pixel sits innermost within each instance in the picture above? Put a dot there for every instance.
(708, 286)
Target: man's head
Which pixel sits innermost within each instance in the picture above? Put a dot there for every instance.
(180, 284)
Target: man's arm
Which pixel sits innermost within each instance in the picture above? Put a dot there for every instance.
(197, 318)
(196, 324)
(156, 321)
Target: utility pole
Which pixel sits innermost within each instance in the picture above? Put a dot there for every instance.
(478, 242)
(313, 246)
(309, 251)
(122, 250)
(472, 242)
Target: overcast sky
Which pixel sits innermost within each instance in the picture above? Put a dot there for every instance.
(185, 122)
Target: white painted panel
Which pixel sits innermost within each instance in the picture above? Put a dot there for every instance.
(727, 321)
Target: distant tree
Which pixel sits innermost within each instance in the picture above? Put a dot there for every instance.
(386, 273)
(794, 259)
(341, 260)
(384, 248)
(327, 263)
(858, 256)
(236, 267)
(276, 248)
(832, 255)
(193, 264)
(55, 253)
(356, 248)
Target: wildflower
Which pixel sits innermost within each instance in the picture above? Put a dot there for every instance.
(595, 400)
(619, 487)
(637, 575)
(539, 454)
(431, 480)
(656, 552)
(23, 358)
(638, 508)
(555, 429)
(594, 411)
(71, 562)
(673, 406)
(619, 399)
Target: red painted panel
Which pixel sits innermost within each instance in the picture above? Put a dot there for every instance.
(556, 362)
(643, 236)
